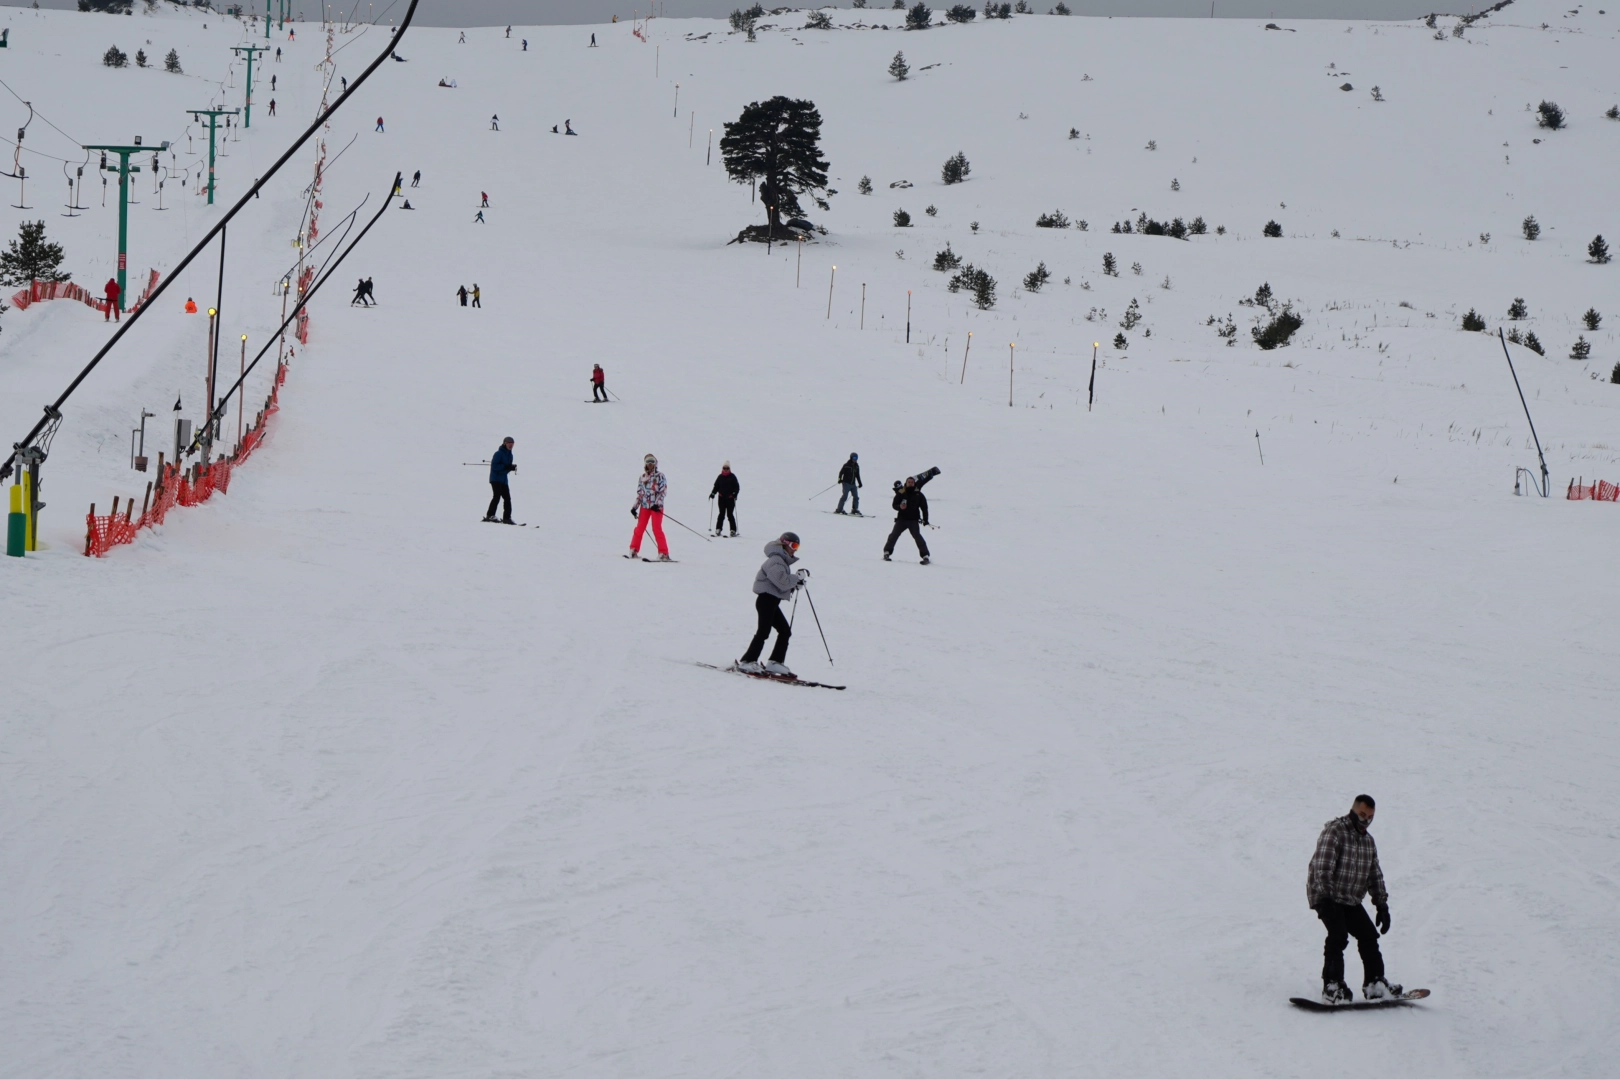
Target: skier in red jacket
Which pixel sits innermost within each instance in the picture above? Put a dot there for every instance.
(112, 291)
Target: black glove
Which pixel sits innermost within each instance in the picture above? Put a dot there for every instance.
(1382, 922)
(635, 512)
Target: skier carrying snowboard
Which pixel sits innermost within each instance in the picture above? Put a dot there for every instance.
(500, 463)
(1343, 869)
(726, 488)
(649, 509)
(911, 507)
(774, 583)
(850, 477)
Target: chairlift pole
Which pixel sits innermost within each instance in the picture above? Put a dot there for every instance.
(252, 51)
(1544, 481)
(123, 169)
(213, 129)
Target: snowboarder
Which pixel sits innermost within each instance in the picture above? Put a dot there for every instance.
(726, 488)
(407, 205)
(910, 506)
(593, 41)
(508, 31)
(111, 291)
(500, 464)
(416, 178)
(479, 220)
(568, 128)
(598, 383)
(495, 122)
(850, 477)
(477, 296)
(462, 292)
(380, 124)
(483, 199)
(1343, 869)
(649, 509)
(360, 294)
(774, 583)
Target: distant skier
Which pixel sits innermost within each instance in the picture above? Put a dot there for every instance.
(525, 44)
(850, 476)
(508, 31)
(484, 198)
(345, 83)
(495, 123)
(477, 296)
(1343, 869)
(598, 383)
(726, 489)
(360, 294)
(773, 584)
(292, 35)
(463, 40)
(479, 220)
(910, 506)
(593, 41)
(112, 292)
(370, 294)
(462, 292)
(272, 84)
(649, 509)
(416, 178)
(500, 464)
(272, 106)
(278, 52)
(380, 124)
(568, 128)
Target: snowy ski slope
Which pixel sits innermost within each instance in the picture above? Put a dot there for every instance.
(326, 777)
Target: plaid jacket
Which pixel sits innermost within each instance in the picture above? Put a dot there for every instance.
(1344, 867)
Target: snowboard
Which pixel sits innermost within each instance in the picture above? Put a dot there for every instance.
(792, 679)
(1317, 1005)
(497, 521)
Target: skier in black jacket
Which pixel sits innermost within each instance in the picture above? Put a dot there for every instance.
(910, 506)
(727, 488)
(850, 477)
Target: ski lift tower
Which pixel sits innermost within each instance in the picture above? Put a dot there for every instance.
(123, 169)
(213, 129)
(251, 51)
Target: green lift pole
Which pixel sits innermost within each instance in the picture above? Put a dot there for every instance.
(267, 20)
(213, 126)
(252, 51)
(123, 169)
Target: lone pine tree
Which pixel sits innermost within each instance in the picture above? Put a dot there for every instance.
(898, 66)
(778, 143)
(30, 257)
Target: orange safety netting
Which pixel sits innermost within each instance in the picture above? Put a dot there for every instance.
(67, 290)
(1600, 490)
(175, 486)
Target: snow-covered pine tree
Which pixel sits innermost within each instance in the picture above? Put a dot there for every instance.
(898, 66)
(30, 257)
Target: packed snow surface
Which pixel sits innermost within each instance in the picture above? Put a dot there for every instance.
(327, 777)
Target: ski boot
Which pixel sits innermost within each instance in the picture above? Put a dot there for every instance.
(885, 556)
(925, 560)
(838, 511)
(489, 517)
(1336, 993)
(776, 667)
(1380, 988)
(733, 532)
(750, 667)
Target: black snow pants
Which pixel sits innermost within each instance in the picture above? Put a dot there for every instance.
(502, 494)
(770, 618)
(599, 391)
(1344, 921)
(728, 509)
(916, 534)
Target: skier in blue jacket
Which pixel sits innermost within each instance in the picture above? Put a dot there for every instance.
(500, 464)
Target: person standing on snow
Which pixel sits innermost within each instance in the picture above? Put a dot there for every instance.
(112, 292)
(484, 195)
(773, 584)
(479, 220)
(272, 106)
(500, 464)
(416, 180)
(495, 122)
(477, 296)
(462, 292)
(910, 506)
(379, 124)
(850, 477)
(726, 488)
(359, 294)
(598, 383)
(593, 41)
(649, 509)
(1343, 869)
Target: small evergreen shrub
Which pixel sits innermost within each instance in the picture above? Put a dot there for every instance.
(1054, 220)
(1614, 376)
(1276, 333)
(1120, 343)
(1598, 249)
(931, 210)
(898, 66)
(961, 13)
(993, 10)
(1549, 116)
(115, 57)
(31, 257)
(902, 220)
(919, 16)
(140, 58)
(1136, 268)
(1061, 9)
(1227, 331)
(1581, 349)
(956, 168)
(1220, 230)
(947, 259)
(1110, 267)
(1514, 336)
(1613, 113)
(1377, 94)
(1176, 229)
(1036, 278)
(865, 186)
(1472, 321)
(1197, 227)
(1023, 8)
(1082, 225)
(973, 226)
(976, 281)
(1272, 229)
(1533, 343)
(171, 63)
(1592, 319)
(818, 20)
(1518, 310)
(1531, 227)
(1133, 315)
(1175, 185)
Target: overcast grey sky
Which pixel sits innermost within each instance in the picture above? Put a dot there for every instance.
(500, 12)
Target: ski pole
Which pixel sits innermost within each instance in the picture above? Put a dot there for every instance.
(824, 490)
(819, 630)
(616, 397)
(475, 463)
(795, 610)
(687, 527)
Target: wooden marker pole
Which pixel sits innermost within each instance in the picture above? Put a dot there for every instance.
(965, 350)
(830, 281)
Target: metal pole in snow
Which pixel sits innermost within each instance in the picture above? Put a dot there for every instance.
(908, 316)
(241, 377)
(1010, 347)
(863, 305)
(1091, 387)
(691, 129)
(830, 281)
(708, 155)
(677, 113)
(1260, 448)
(965, 349)
(799, 269)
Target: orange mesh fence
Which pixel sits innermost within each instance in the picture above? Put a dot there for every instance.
(67, 290)
(1600, 490)
(175, 486)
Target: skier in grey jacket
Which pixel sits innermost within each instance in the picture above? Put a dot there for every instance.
(774, 583)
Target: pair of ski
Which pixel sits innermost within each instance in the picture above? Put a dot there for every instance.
(793, 679)
(1318, 1005)
(644, 558)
